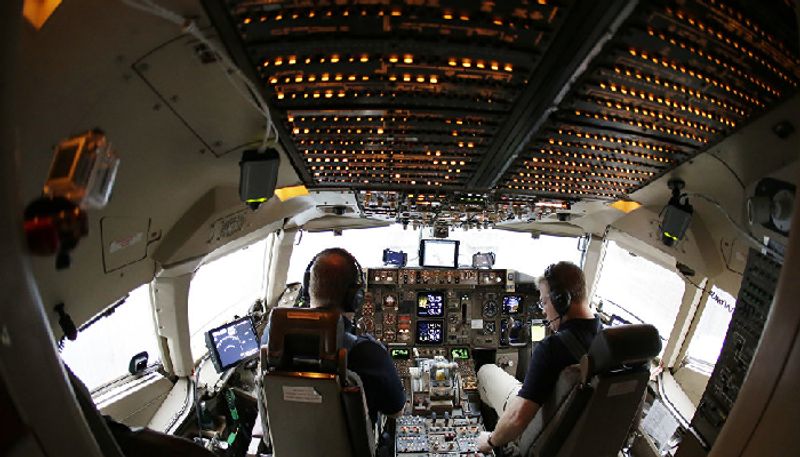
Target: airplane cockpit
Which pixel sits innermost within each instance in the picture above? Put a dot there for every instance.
(172, 169)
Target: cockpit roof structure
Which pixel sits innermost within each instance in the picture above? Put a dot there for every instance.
(424, 107)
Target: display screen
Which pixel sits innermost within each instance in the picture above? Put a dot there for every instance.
(512, 304)
(430, 304)
(459, 353)
(232, 343)
(438, 253)
(400, 353)
(430, 332)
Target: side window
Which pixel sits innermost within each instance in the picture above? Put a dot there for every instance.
(706, 343)
(103, 350)
(638, 290)
(224, 288)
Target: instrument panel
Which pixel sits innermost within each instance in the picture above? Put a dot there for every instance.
(427, 306)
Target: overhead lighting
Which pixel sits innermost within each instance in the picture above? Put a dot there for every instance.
(626, 206)
(287, 193)
(37, 12)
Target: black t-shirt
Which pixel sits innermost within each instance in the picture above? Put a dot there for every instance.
(382, 386)
(551, 356)
(383, 389)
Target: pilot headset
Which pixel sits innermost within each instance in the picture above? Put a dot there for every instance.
(560, 296)
(355, 293)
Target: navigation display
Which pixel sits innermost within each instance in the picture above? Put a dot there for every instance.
(459, 353)
(512, 304)
(430, 304)
(430, 332)
(438, 253)
(232, 343)
(400, 353)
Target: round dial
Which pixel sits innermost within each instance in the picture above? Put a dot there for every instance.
(490, 308)
(389, 301)
(388, 335)
(365, 325)
(489, 327)
(389, 318)
(453, 318)
(368, 309)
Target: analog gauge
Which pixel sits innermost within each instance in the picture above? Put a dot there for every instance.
(388, 335)
(404, 335)
(454, 318)
(365, 325)
(388, 319)
(389, 301)
(489, 327)
(490, 308)
(368, 309)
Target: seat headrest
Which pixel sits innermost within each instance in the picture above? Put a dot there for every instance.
(304, 340)
(623, 346)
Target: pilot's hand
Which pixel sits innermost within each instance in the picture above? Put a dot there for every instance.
(483, 443)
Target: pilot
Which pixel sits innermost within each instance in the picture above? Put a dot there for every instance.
(566, 306)
(334, 277)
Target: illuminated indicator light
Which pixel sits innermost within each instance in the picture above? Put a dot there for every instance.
(466, 63)
(447, 16)
(406, 78)
(420, 79)
(351, 78)
(480, 64)
(311, 78)
(498, 22)
(392, 78)
(495, 66)
(280, 95)
(408, 58)
(298, 78)
(287, 193)
(335, 58)
(247, 21)
(278, 17)
(393, 59)
(273, 80)
(265, 64)
(279, 61)
(325, 77)
(396, 13)
(452, 62)
(296, 131)
(292, 60)
(364, 58)
(341, 94)
(433, 79)
(508, 67)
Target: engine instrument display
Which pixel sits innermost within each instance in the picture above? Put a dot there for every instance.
(430, 332)
(430, 304)
(400, 353)
(512, 304)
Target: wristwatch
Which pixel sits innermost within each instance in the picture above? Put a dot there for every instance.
(489, 441)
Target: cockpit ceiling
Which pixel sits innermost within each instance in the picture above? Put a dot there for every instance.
(451, 98)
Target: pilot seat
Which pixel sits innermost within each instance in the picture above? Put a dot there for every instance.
(594, 404)
(314, 405)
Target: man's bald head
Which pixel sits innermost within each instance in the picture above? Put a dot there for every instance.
(333, 275)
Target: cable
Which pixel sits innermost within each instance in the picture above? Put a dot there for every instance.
(747, 235)
(229, 69)
(741, 183)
